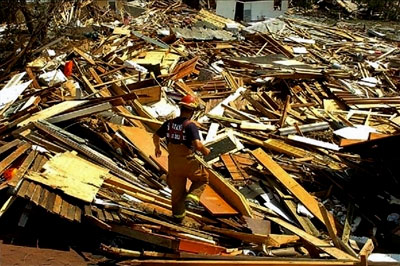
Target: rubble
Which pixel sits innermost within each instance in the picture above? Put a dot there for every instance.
(302, 117)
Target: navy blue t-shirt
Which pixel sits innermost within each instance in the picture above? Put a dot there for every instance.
(191, 132)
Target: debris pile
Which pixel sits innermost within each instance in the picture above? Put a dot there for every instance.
(302, 118)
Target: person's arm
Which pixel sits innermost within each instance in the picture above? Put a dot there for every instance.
(160, 133)
(200, 147)
(193, 133)
(156, 141)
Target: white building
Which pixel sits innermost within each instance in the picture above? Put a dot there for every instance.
(251, 10)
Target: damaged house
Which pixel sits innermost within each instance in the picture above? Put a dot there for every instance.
(251, 10)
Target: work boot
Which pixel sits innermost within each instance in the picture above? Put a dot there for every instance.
(178, 218)
(192, 204)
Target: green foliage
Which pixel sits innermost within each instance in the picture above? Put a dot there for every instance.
(378, 9)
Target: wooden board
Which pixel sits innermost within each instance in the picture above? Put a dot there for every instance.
(23, 188)
(215, 204)
(50, 201)
(64, 208)
(23, 168)
(71, 212)
(51, 111)
(57, 204)
(148, 95)
(9, 145)
(73, 175)
(78, 214)
(245, 237)
(30, 190)
(295, 188)
(231, 167)
(44, 197)
(227, 191)
(13, 156)
(143, 140)
(320, 244)
(219, 260)
(157, 240)
(200, 247)
(36, 195)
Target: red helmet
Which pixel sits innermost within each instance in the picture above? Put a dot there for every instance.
(189, 101)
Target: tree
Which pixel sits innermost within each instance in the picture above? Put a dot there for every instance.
(20, 38)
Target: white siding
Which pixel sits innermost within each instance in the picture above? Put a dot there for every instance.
(226, 8)
(253, 11)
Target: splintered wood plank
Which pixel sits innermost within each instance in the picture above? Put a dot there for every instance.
(23, 188)
(231, 166)
(30, 190)
(9, 145)
(316, 242)
(366, 251)
(158, 240)
(304, 222)
(72, 174)
(178, 228)
(23, 168)
(51, 111)
(57, 204)
(347, 224)
(44, 197)
(78, 214)
(258, 226)
(244, 159)
(50, 201)
(37, 194)
(285, 111)
(84, 55)
(7, 205)
(227, 191)
(100, 214)
(64, 209)
(116, 217)
(39, 162)
(13, 156)
(71, 212)
(245, 237)
(295, 188)
(148, 95)
(200, 247)
(215, 204)
(88, 210)
(143, 140)
(284, 239)
(32, 76)
(108, 216)
(184, 69)
(99, 223)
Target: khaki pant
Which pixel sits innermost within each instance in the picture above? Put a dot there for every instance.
(183, 165)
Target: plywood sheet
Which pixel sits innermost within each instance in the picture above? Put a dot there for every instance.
(73, 175)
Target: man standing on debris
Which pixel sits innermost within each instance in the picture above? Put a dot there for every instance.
(183, 140)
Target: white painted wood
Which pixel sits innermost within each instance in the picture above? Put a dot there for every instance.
(314, 142)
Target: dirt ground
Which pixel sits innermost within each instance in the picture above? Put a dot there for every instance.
(13, 255)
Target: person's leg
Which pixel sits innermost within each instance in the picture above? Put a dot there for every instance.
(177, 182)
(199, 177)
